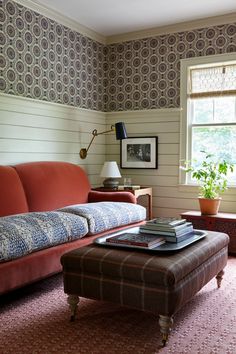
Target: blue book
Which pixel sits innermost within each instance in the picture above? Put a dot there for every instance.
(173, 233)
(179, 238)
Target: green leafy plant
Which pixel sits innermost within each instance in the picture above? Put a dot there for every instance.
(211, 175)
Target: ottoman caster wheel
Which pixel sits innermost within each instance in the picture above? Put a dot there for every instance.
(164, 339)
(165, 323)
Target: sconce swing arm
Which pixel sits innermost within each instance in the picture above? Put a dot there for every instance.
(83, 152)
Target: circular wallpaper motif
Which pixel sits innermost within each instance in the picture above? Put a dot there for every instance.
(36, 30)
(45, 83)
(154, 43)
(20, 88)
(10, 30)
(20, 23)
(20, 46)
(3, 84)
(20, 66)
(11, 76)
(28, 16)
(46, 60)
(44, 23)
(3, 62)
(28, 37)
(2, 39)
(231, 30)
(28, 79)
(10, 53)
(2, 16)
(10, 8)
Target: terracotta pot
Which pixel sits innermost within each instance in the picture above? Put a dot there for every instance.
(209, 206)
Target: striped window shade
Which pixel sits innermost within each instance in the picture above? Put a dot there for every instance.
(213, 81)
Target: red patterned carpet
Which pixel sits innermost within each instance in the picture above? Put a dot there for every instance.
(36, 321)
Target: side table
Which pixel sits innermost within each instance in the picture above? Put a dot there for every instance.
(136, 192)
(222, 222)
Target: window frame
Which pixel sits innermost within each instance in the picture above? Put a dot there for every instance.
(185, 126)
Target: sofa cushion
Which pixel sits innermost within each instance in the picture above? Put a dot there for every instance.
(12, 195)
(104, 216)
(25, 233)
(50, 185)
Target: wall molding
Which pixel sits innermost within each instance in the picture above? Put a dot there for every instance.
(62, 19)
(140, 114)
(152, 32)
(21, 101)
(178, 27)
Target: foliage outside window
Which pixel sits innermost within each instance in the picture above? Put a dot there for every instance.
(211, 114)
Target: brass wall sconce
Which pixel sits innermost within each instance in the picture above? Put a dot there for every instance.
(118, 128)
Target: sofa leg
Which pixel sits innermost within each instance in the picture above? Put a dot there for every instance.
(219, 278)
(73, 301)
(165, 323)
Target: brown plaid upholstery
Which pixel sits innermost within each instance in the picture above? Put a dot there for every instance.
(160, 283)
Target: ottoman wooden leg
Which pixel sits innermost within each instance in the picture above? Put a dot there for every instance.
(73, 301)
(165, 323)
(219, 278)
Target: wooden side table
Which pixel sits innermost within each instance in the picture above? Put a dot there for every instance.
(136, 192)
(222, 222)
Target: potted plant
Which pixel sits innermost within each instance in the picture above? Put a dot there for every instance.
(212, 177)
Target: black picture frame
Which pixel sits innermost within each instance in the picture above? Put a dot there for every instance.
(139, 152)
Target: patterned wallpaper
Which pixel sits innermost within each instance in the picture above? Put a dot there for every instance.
(145, 73)
(42, 59)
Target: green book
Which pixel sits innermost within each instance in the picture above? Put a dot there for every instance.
(167, 221)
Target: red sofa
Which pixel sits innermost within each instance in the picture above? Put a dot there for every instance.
(45, 186)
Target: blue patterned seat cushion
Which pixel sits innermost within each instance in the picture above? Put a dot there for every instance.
(22, 234)
(104, 216)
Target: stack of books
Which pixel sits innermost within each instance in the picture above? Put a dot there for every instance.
(122, 188)
(173, 230)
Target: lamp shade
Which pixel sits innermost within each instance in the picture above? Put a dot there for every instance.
(110, 170)
(120, 131)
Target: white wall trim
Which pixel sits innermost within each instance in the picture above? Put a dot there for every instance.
(62, 19)
(185, 65)
(178, 27)
(22, 101)
(134, 114)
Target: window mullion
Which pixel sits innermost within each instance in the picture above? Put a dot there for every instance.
(214, 110)
(204, 125)
(235, 109)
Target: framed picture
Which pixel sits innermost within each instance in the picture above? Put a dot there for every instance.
(141, 152)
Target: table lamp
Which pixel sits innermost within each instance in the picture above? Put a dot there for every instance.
(110, 171)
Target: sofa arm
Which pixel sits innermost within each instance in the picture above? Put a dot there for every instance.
(95, 196)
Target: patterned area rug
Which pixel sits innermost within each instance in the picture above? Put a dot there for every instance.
(35, 320)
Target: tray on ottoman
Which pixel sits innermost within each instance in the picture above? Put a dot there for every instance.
(160, 283)
(165, 247)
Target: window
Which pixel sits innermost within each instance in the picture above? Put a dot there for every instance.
(208, 100)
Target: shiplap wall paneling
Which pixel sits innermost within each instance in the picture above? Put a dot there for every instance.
(165, 124)
(169, 199)
(32, 130)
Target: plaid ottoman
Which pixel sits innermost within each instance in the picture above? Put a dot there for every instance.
(160, 283)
